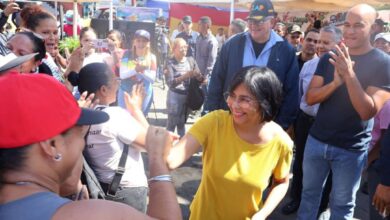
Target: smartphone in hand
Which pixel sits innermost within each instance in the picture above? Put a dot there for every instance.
(100, 44)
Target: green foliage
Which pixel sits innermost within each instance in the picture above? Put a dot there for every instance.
(70, 43)
(384, 7)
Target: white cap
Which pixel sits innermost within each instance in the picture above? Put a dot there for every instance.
(9, 60)
(384, 36)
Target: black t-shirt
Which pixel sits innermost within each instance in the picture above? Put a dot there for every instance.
(300, 61)
(258, 47)
(337, 122)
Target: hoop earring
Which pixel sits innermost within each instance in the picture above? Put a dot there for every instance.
(58, 157)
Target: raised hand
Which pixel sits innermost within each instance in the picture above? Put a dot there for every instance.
(76, 61)
(86, 101)
(11, 7)
(135, 100)
(342, 61)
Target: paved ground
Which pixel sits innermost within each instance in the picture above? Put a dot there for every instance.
(187, 177)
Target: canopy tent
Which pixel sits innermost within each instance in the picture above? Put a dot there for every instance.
(286, 5)
(310, 5)
(75, 11)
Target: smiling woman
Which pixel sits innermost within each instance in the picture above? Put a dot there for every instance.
(242, 149)
(39, 21)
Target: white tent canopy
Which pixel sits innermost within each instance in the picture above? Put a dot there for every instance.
(315, 5)
(289, 5)
(75, 11)
(285, 5)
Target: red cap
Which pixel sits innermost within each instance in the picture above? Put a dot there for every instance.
(36, 107)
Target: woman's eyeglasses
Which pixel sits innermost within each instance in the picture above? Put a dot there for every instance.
(242, 101)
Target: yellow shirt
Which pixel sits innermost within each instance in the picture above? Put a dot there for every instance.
(235, 173)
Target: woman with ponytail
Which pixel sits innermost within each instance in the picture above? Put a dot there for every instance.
(106, 142)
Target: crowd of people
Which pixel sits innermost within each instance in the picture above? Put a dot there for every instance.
(269, 93)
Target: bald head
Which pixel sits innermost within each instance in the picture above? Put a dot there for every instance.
(364, 10)
(358, 26)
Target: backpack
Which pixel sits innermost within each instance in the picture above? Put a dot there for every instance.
(89, 179)
(195, 95)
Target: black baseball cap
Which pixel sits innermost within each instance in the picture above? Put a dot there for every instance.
(260, 10)
(187, 19)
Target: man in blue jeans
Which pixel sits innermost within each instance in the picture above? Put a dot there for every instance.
(352, 84)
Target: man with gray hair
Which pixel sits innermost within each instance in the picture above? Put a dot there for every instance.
(329, 37)
(206, 50)
(237, 26)
(280, 29)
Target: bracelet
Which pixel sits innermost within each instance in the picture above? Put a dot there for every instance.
(161, 178)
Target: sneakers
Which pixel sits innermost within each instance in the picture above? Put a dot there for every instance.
(290, 207)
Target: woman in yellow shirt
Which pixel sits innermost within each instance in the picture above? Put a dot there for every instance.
(242, 149)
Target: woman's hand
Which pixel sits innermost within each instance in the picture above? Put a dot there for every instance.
(11, 7)
(111, 45)
(76, 61)
(139, 68)
(135, 100)
(86, 101)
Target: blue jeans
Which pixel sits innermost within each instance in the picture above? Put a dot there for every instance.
(347, 166)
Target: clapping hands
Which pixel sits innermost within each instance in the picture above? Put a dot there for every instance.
(87, 101)
(342, 62)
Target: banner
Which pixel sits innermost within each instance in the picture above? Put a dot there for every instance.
(219, 17)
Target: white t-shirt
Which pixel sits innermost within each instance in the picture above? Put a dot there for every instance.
(105, 145)
(95, 58)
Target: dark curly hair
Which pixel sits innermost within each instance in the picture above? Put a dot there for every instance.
(32, 15)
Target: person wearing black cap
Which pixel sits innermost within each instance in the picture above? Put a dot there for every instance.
(41, 144)
(260, 46)
(189, 35)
